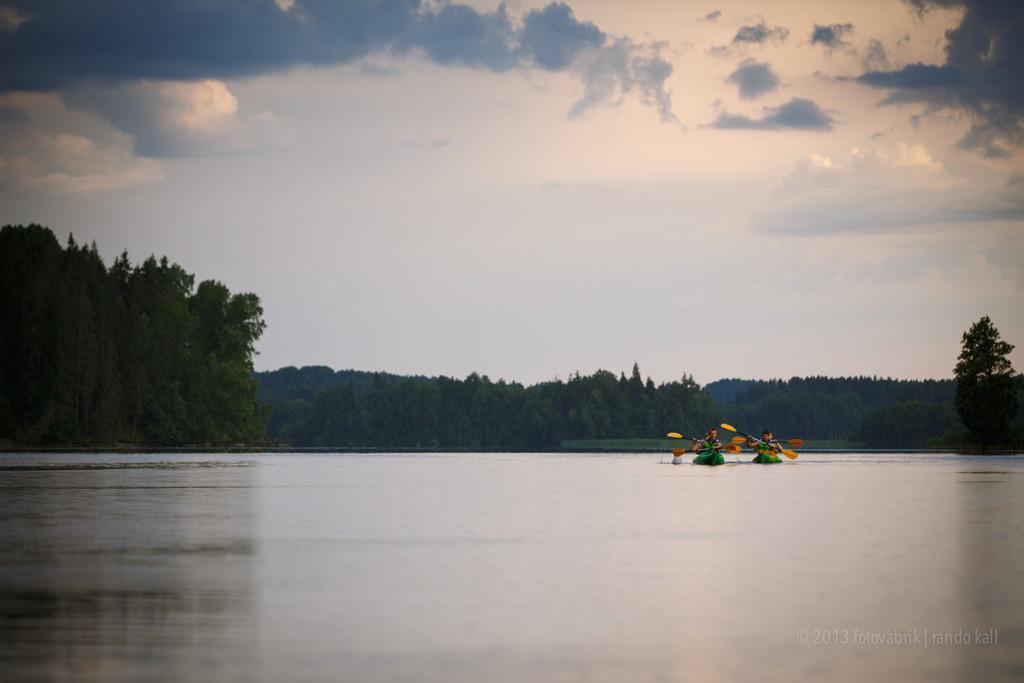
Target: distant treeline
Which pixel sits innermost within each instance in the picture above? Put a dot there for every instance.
(130, 353)
(879, 412)
(317, 406)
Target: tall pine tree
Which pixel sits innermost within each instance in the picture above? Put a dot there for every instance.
(986, 392)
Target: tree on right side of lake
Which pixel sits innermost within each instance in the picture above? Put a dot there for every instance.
(986, 388)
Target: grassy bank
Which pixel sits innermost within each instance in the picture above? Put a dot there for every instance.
(837, 444)
(668, 444)
(623, 444)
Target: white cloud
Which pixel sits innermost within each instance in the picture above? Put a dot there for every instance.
(915, 155)
(67, 163)
(875, 190)
(169, 118)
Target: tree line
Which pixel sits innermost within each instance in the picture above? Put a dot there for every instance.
(130, 353)
(138, 353)
(317, 407)
(878, 412)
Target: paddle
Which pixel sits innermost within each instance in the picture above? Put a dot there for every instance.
(677, 435)
(792, 455)
(732, 448)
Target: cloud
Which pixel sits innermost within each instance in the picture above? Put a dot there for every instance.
(622, 68)
(71, 47)
(66, 163)
(875, 191)
(12, 114)
(754, 79)
(832, 36)
(914, 155)
(760, 33)
(796, 114)
(752, 34)
(983, 75)
(714, 15)
(10, 18)
(553, 37)
(876, 56)
(172, 119)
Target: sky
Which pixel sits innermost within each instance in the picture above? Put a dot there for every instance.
(529, 189)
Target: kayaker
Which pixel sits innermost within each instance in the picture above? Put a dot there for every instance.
(708, 449)
(767, 447)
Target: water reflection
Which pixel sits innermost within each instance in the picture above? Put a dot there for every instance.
(492, 567)
(124, 570)
(991, 511)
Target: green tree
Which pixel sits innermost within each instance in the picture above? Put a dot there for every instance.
(986, 392)
(96, 355)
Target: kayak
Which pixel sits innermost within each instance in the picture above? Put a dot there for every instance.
(709, 457)
(766, 458)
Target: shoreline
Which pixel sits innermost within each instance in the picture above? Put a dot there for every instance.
(412, 449)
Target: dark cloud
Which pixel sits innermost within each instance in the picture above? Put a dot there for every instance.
(552, 36)
(753, 34)
(754, 79)
(760, 33)
(983, 74)
(459, 35)
(69, 45)
(923, 5)
(831, 36)
(712, 16)
(68, 40)
(797, 114)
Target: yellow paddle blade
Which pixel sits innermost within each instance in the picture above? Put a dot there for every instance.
(792, 455)
(799, 443)
(732, 449)
(739, 440)
(729, 427)
(677, 452)
(674, 435)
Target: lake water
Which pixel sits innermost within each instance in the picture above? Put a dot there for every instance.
(510, 567)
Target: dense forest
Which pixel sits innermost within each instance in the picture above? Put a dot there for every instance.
(139, 354)
(879, 412)
(129, 353)
(316, 406)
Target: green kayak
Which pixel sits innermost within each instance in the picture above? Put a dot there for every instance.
(766, 455)
(709, 456)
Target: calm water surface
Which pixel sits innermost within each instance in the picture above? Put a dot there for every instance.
(495, 567)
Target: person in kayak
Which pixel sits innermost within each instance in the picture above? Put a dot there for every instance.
(767, 447)
(708, 449)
